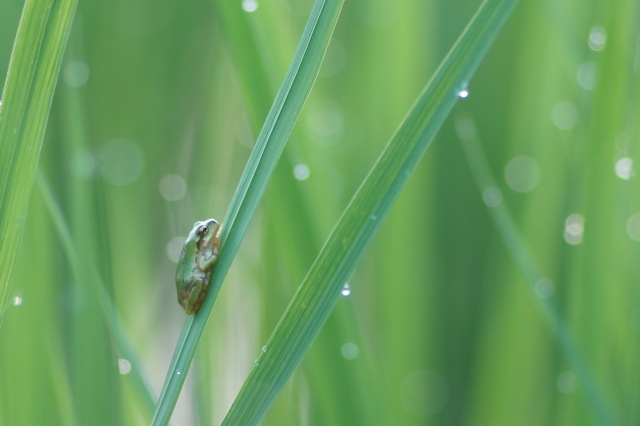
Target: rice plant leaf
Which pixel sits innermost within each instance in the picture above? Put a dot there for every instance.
(253, 72)
(346, 245)
(505, 224)
(26, 100)
(284, 112)
(85, 272)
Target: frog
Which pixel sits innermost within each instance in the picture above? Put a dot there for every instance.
(195, 267)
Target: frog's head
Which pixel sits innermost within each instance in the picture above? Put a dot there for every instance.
(206, 231)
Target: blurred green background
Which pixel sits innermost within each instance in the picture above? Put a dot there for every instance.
(151, 126)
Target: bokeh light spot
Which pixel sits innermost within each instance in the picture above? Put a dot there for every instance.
(522, 173)
(301, 172)
(633, 226)
(172, 187)
(587, 74)
(122, 162)
(492, 196)
(249, 5)
(624, 168)
(564, 115)
(83, 164)
(75, 73)
(349, 351)
(597, 38)
(574, 229)
(124, 366)
(174, 248)
(346, 290)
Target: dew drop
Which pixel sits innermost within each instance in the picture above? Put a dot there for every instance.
(463, 93)
(346, 290)
(597, 38)
(574, 229)
(633, 226)
(264, 349)
(256, 362)
(301, 172)
(17, 301)
(624, 168)
(124, 366)
(249, 5)
(178, 373)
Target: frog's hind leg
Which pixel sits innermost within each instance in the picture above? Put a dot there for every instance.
(191, 300)
(202, 295)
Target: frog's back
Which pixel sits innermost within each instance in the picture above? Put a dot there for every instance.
(185, 267)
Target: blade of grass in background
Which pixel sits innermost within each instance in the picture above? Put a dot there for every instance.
(529, 268)
(289, 204)
(26, 99)
(350, 238)
(85, 272)
(286, 108)
(254, 81)
(95, 328)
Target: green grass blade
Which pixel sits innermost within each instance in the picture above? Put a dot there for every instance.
(293, 204)
(26, 99)
(284, 112)
(85, 272)
(506, 226)
(350, 238)
(252, 69)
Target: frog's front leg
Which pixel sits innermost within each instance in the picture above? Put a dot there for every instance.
(206, 262)
(190, 296)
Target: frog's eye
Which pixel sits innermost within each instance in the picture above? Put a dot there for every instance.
(203, 231)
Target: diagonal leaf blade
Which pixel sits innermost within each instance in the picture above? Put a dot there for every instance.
(271, 141)
(532, 272)
(84, 271)
(320, 289)
(26, 99)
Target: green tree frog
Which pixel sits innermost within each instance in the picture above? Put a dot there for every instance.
(199, 254)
